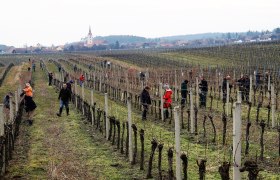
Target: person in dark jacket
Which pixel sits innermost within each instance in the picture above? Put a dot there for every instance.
(69, 85)
(203, 86)
(33, 67)
(184, 92)
(50, 78)
(145, 101)
(64, 97)
(258, 80)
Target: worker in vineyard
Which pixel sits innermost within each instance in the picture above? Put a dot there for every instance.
(191, 76)
(50, 78)
(41, 65)
(258, 80)
(184, 92)
(33, 67)
(145, 101)
(90, 67)
(59, 68)
(29, 104)
(82, 80)
(69, 85)
(64, 97)
(167, 98)
(75, 68)
(203, 86)
(244, 87)
(6, 103)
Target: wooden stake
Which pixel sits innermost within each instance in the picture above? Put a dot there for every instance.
(237, 141)
(175, 88)
(239, 94)
(91, 97)
(16, 101)
(191, 111)
(161, 100)
(197, 93)
(107, 116)
(251, 88)
(2, 121)
(76, 92)
(177, 142)
(11, 111)
(129, 129)
(273, 105)
(227, 97)
(83, 96)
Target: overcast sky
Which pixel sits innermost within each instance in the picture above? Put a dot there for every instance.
(60, 21)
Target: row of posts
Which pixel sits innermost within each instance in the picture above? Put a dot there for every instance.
(236, 123)
(8, 121)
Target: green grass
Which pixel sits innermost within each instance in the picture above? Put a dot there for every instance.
(69, 145)
(164, 133)
(11, 81)
(196, 59)
(64, 147)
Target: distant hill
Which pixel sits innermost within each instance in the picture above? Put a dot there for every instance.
(4, 47)
(123, 39)
(127, 39)
(193, 36)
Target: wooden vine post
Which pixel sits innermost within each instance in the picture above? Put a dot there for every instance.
(83, 96)
(107, 116)
(251, 89)
(16, 100)
(237, 140)
(2, 132)
(268, 85)
(273, 106)
(191, 111)
(129, 119)
(11, 111)
(197, 93)
(2, 121)
(176, 87)
(91, 102)
(239, 95)
(177, 142)
(227, 98)
(76, 92)
(161, 101)
(100, 83)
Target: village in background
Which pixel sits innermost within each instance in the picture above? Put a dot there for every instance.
(91, 43)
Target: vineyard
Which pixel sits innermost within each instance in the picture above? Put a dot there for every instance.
(235, 136)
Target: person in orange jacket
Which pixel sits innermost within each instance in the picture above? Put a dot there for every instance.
(29, 104)
(82, 79)
(167, 98)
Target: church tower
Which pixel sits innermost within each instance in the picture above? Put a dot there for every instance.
(89, 39)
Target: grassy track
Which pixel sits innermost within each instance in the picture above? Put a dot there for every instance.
(63, 148)
(12, 79)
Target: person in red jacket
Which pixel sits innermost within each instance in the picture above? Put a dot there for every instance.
(82, 79)
(167, 98)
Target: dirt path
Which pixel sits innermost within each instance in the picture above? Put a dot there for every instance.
(63, 147)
